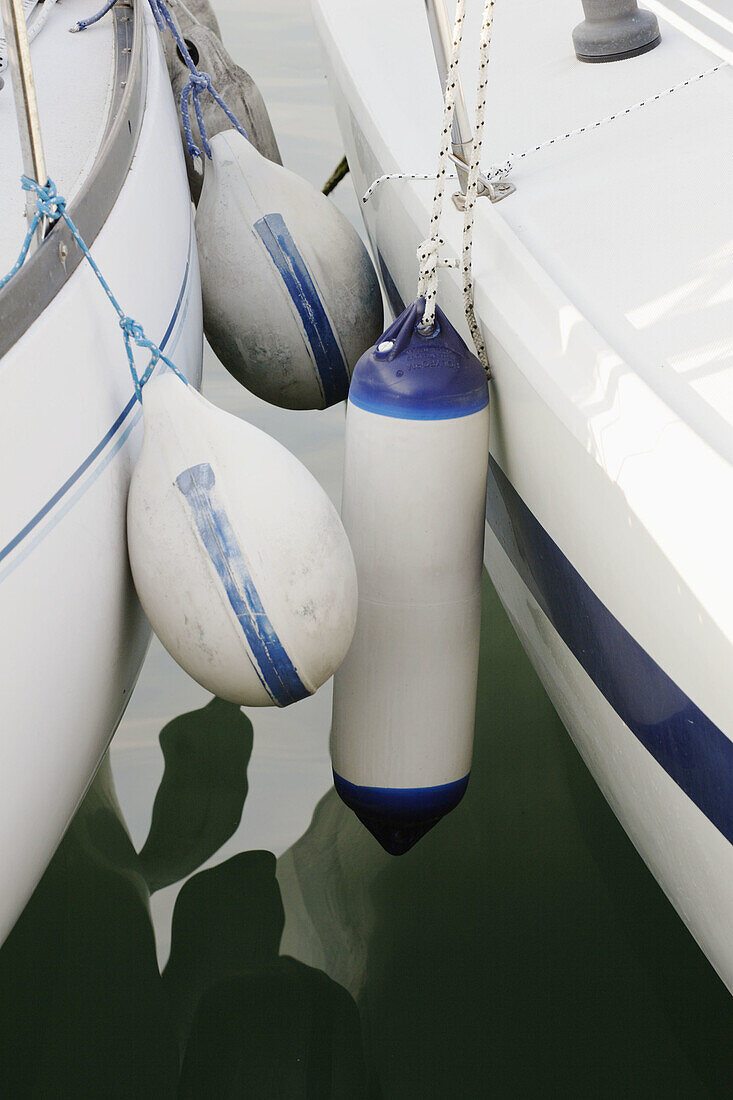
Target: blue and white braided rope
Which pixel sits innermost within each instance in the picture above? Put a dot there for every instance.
(51, 205)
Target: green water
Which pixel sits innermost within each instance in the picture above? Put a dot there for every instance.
(216, 923)
(521, 949)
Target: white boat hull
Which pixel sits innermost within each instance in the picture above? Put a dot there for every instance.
(73, 633)
(613, 546)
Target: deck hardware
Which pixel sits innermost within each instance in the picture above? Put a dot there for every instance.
(26, 105)
(461, 135)
(614, 30)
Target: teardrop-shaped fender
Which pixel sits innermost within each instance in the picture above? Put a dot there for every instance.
(239, 558)
(291, 298)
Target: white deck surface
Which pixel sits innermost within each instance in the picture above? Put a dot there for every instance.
(73, 74)
(633, 221)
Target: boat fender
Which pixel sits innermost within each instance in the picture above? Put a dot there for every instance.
(414, 500)
(239, 558)
(234, 85)
(291, 298)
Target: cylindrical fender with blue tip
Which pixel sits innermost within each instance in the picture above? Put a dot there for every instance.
(291, 298)
(239, 557)
(414, 498)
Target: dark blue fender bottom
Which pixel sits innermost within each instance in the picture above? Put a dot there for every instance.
(399, 816)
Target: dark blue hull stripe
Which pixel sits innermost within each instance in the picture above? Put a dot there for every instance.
(108, 435)
(330, 366)
(275, 669)
(690, 748)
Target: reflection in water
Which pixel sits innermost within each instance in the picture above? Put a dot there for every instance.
(199, 803)
(520, 949)
(85, 1011)
(82, 1008)
(254, 1023)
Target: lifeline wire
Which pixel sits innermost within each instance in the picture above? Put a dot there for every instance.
(428, 252)
(501, 171)
(51, 205)
(198, 81)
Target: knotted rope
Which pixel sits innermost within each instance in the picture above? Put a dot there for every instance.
(428, 252)
(496, 172)
(472, 185)
(198, 82)
(51, 205)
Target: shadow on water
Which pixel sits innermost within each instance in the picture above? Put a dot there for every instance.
(521, 949)
(84, 1010)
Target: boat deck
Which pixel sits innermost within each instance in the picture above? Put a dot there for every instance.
(631, 220)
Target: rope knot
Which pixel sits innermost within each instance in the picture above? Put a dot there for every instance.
(428, 253)
(498, 172)
(199, 82)
(49, 203)
(132, 329)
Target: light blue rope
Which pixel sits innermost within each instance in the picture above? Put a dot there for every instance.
(49, 204)
(198, 82)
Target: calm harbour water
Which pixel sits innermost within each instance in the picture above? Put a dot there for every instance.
(521, 949)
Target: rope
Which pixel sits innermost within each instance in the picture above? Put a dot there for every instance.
(429, 249)
(198, 82)
(341, 170)
(472, 184)
(501, 171)
(428, 252)
(51, 205)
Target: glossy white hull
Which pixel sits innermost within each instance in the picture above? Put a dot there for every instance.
(73, 633)
(616, 538)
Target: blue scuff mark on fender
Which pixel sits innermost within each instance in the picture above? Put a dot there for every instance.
(276, 671)
(693, 751)
(331, 368)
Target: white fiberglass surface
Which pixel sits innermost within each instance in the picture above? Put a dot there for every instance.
(73, 75)
(638, 515)
(632, 220)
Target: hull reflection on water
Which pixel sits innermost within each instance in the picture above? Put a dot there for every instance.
(85, 1009)
(521, 943)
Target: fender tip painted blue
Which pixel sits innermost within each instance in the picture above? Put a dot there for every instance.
(399, 816)
(412, 376)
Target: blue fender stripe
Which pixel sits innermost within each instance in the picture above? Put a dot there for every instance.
(275, 669)
(331, 368)
(689, 746)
